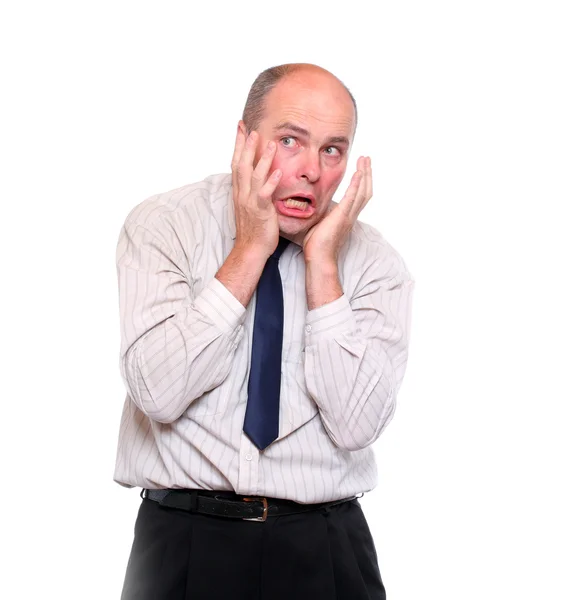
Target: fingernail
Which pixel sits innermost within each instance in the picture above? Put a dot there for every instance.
(270, 145)
(277, 174)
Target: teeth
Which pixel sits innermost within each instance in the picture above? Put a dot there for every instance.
(294, 203)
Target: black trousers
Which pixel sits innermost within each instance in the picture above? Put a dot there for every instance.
(327, 554)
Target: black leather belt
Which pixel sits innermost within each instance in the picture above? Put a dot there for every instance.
(228, 504)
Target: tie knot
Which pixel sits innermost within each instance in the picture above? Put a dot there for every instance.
(282, 244)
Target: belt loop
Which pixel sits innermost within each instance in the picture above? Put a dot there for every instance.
(194, 501)
(326, 509)
(142, 494)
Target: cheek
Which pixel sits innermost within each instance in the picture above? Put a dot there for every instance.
(279, 162)
(332, 179)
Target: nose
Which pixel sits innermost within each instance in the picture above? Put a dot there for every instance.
(310, 168)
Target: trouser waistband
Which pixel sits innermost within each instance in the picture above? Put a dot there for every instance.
(234, 506)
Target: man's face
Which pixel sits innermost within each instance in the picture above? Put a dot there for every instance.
(311, 118)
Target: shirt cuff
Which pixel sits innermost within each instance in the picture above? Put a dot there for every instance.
(329, 320)
(221, 306)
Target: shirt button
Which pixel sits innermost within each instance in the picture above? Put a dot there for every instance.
(249, 457)
(308, 329)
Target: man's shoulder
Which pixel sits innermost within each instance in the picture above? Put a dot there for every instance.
(203, 197)
(368, 245)
(366, 237)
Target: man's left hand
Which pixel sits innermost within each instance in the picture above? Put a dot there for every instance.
(323, 241)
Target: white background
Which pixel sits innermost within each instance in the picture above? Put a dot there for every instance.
(471, 114)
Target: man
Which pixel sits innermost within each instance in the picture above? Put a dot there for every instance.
(264, 340)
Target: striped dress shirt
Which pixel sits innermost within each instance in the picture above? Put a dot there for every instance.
(186, 347)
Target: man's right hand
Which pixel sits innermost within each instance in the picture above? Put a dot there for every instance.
(252, 188)
(256, 219)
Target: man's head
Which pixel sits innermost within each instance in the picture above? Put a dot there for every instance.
(311, 116)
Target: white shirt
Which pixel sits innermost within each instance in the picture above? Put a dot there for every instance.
(186, 347)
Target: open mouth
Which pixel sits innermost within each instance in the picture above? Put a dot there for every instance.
(299, 206)
(298, 202)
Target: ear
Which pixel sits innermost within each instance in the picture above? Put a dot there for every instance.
(242, 128)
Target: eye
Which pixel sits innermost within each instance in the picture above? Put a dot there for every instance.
(288, 141)
(332, 151)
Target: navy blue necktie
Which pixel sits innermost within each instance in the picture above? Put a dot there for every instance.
(261, 419)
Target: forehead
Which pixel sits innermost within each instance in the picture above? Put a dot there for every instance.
(318, 103)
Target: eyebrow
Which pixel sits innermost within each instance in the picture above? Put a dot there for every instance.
(336, 139)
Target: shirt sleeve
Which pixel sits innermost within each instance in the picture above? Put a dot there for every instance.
(174, 347)
(356, 352)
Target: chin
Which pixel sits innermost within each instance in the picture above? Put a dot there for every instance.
(293, 229)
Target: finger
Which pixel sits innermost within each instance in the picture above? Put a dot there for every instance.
(364, 187)
(359, 201)
(369, 191)
(363, 193)
(245, 167)
(261, 170)
(265, 193)
(351, 193)
(238, 147)
(358, 195)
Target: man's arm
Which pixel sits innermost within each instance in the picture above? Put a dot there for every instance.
(176, 347)
(356, 352)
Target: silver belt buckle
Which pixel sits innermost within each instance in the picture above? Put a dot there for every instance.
(264, 509)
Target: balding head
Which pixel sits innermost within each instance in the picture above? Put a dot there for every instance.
(268, 79)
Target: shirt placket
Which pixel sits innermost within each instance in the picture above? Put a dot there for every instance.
(249, 457)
